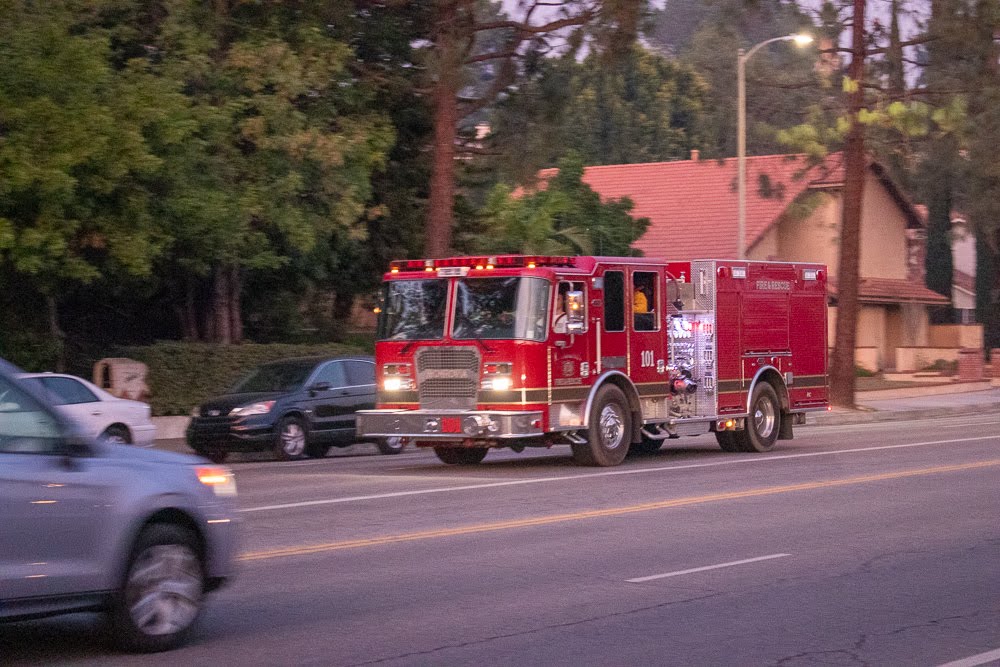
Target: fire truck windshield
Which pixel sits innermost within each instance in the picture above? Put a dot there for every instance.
(413, 310)
(501, 308)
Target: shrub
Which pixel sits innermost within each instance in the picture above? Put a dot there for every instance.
(862, 372)
(942, 366)
(181, 375)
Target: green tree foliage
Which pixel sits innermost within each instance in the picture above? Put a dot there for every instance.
(270, 155)
(74, 163)
(640, 107)
(565, 217)
(781, 84)
(480, 50)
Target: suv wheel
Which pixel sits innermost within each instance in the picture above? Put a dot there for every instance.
(391, 445)
(290, 439)
(162, 594)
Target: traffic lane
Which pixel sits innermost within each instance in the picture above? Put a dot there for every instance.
(472, 501)
(272, 483)
(899, 571)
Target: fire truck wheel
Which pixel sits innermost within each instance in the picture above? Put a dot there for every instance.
(727, 440)
(764, 421)
(610, 431)
(461, 456)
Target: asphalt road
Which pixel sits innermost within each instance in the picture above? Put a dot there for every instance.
(869, 544)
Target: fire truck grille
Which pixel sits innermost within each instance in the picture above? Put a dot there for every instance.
(447, 379)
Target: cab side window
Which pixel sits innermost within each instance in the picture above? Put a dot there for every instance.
(644, 299)
(614, 300)
(66, 391)
(560, 314)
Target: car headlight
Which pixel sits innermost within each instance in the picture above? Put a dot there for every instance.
(218, 478)
(261, 408)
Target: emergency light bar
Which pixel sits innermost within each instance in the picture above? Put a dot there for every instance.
(480, 263)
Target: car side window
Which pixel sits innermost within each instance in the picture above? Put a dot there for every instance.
(25, 426)
(332, 372)
(360, 373)
(67, 391)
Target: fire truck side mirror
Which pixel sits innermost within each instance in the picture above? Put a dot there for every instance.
(575, 312)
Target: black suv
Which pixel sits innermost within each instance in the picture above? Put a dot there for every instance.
(294, 407)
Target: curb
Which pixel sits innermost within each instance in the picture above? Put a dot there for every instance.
(864, 416)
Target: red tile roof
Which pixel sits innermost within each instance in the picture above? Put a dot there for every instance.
(891, 290)
(692, 204)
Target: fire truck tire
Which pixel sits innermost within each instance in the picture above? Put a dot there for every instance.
(727, 440)
(610, 431)
(461, 456)
(763, 422)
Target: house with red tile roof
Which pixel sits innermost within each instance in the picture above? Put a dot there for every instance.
(793, 210)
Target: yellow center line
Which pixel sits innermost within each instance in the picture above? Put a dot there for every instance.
(611, 511)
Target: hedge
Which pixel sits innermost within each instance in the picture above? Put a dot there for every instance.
(181, 375)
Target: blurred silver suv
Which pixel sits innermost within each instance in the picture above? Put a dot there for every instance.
(139, 534)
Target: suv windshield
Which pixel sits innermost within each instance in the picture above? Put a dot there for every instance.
(25, 426)
(282, 376)
(413, 310)
(501, 308)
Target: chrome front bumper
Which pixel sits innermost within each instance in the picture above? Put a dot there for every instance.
(449, 425)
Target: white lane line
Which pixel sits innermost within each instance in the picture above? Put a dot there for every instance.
(974, 660)
(607, 473)
(639, 580)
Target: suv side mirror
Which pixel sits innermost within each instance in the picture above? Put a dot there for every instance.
(576, 314)
(319, 386)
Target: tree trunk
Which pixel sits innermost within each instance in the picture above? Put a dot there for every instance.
(57, 334)
(220, 310)
(440, 214)
(235, 304)
(842, 365)
(187, 313)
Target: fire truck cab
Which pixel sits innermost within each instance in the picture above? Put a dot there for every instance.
(605, 354)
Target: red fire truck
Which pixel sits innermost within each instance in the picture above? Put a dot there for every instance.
(605, 354)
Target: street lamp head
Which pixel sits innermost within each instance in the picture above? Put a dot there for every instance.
(802, 39)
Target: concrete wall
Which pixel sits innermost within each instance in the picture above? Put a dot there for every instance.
(956, 335)
(909, 359)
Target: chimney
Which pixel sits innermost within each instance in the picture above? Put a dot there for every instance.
(694, 154)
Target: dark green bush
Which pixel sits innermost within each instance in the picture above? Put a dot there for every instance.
(181, 375)
(862, 372)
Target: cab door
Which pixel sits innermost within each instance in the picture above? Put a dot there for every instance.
(648, 341)
(573, 363)
(613, 333)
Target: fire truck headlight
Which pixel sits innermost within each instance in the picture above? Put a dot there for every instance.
(501, 383)
(497, 376)
(397, 377)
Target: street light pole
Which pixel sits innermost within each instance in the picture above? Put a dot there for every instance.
(741, 133)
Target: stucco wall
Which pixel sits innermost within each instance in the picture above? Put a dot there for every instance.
(883, 233)
(963, 249)
(814, 238)
(956, 335)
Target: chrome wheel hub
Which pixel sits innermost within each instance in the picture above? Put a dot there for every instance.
(612, 428)
(763, 418)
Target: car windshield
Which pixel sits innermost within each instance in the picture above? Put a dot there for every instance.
(501, 308)
(413, 310)
(282, 376)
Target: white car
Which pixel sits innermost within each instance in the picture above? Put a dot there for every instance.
(99, 413)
